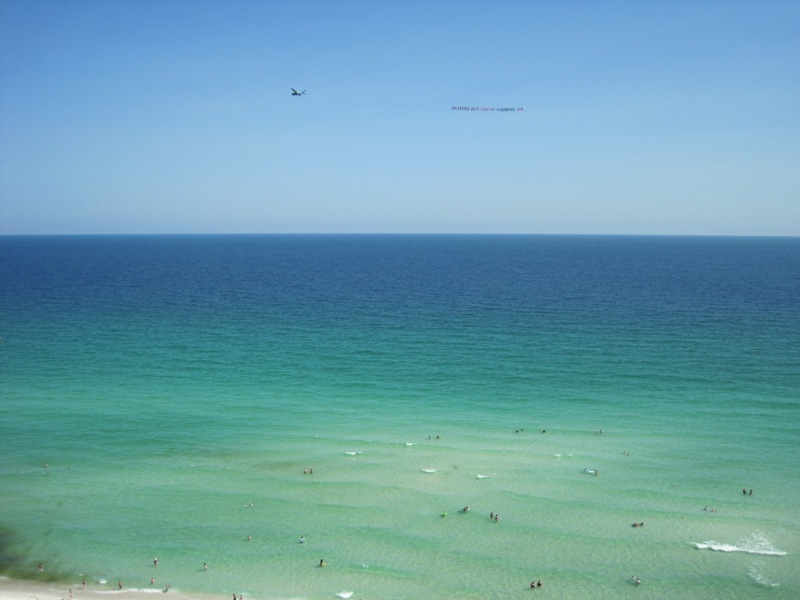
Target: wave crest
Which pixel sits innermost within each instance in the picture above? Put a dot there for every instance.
(755, 544)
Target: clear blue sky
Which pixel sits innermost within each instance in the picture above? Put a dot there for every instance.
(167, 116)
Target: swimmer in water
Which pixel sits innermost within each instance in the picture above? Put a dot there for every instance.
(321, 562)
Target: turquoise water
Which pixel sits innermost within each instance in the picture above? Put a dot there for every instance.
(170, 382)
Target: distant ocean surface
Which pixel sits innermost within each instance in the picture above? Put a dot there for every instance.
(168, 396)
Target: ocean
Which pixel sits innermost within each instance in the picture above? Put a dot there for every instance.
(264, 403)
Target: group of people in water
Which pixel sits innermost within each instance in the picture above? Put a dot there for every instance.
(495, 517)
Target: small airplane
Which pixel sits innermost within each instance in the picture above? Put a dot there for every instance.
(296, 93)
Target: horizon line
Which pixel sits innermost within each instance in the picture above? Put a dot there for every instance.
(397, 234)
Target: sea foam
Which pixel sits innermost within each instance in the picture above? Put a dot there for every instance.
(758, 577)
(755, 544)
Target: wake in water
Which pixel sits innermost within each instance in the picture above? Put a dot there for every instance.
(755, 544)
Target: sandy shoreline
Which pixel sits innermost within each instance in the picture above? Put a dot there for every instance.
(18, 589)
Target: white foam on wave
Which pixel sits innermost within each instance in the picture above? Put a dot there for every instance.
(134, 590)
(482, 476)
(429, 470)
(352, 453)
(344, 594)
(755, 544)
(410, 444)
(759, 578)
